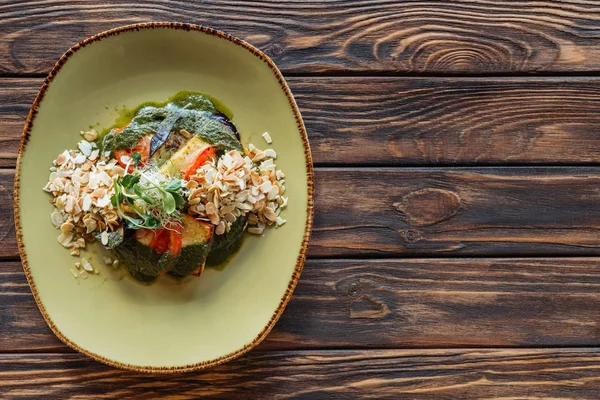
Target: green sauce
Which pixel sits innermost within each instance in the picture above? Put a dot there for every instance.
(189, 260)
(199, 115)
(141, 261)
(226, 245)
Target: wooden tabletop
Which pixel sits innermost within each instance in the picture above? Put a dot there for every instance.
(456, 243)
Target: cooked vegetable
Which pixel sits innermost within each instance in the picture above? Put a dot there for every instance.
(163, 130)
(201, 159)
(185, 156)
(125, 156)
(180, 252)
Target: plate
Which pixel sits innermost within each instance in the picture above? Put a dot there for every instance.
(169, 326)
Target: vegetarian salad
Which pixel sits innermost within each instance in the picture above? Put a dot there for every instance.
(169, 191)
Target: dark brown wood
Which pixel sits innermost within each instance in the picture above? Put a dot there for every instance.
(456, 211)
(16, 97)
(8, 239)
(499, 211)
(394, 303)
(422, 374)
(316, 36)
(426, 121)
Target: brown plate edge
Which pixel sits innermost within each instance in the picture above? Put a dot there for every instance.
(310, 202)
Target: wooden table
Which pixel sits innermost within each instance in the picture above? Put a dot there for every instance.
(467, 264)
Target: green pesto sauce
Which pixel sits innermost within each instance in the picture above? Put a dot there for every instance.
(226, 245)
(189, 260)
(145, 265)
(196, 112)
(142, 262)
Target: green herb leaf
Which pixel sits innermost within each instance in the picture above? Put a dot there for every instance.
(137, 158)
(129, 180)
(151, 222)
(179, 200)
(148, 199)
(173, 185)
(169, 203)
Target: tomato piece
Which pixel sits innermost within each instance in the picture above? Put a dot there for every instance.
(204, 156)
(161, 241)
(142, 147)
(175, 242)
(167, 240)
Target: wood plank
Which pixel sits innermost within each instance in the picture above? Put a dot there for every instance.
(16, 97)
(8, 239)
(503, 211)
(315, 36)
(423, 374)
(425, 121)
(394, 303)
(456, 211)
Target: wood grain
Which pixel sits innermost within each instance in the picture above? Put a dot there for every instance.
(8, 239)
(422, 303)
(456, 211)
(424, 374)
(425, 121)
(500, 211)
(316, 36)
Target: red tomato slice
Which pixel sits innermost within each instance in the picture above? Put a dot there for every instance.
(206, 154)
(161, 241)
(142, 147)
(175, 240)
(167, 240)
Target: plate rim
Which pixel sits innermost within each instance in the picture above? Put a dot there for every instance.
(309, 206)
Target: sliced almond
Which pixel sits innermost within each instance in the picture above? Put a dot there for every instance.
(67, 227)
(104, 238)
(86, 265)
(65, 238)
(255, 231)
(90, 136)
(90, 225)
(267, 137)
(57, 219)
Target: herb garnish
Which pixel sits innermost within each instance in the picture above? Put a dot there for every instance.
(146, 198)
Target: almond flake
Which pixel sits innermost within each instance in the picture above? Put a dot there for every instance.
(57, 219)
(104, 237)
(85, 147)
(270, 153)
(267, 137)
(86, 265)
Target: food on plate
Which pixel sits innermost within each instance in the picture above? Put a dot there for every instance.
(169, 191)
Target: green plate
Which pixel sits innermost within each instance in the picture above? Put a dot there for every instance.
(169, 326)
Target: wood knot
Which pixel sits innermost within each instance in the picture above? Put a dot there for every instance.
(366, 307)
(428, 206)
(274, 50)
(354, 290)
(410, 235)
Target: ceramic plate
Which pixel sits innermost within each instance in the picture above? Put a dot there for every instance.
(169, 326)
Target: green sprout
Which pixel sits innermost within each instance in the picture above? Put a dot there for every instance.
(154, 197)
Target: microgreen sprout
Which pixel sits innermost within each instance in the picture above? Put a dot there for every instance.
(147, 198)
